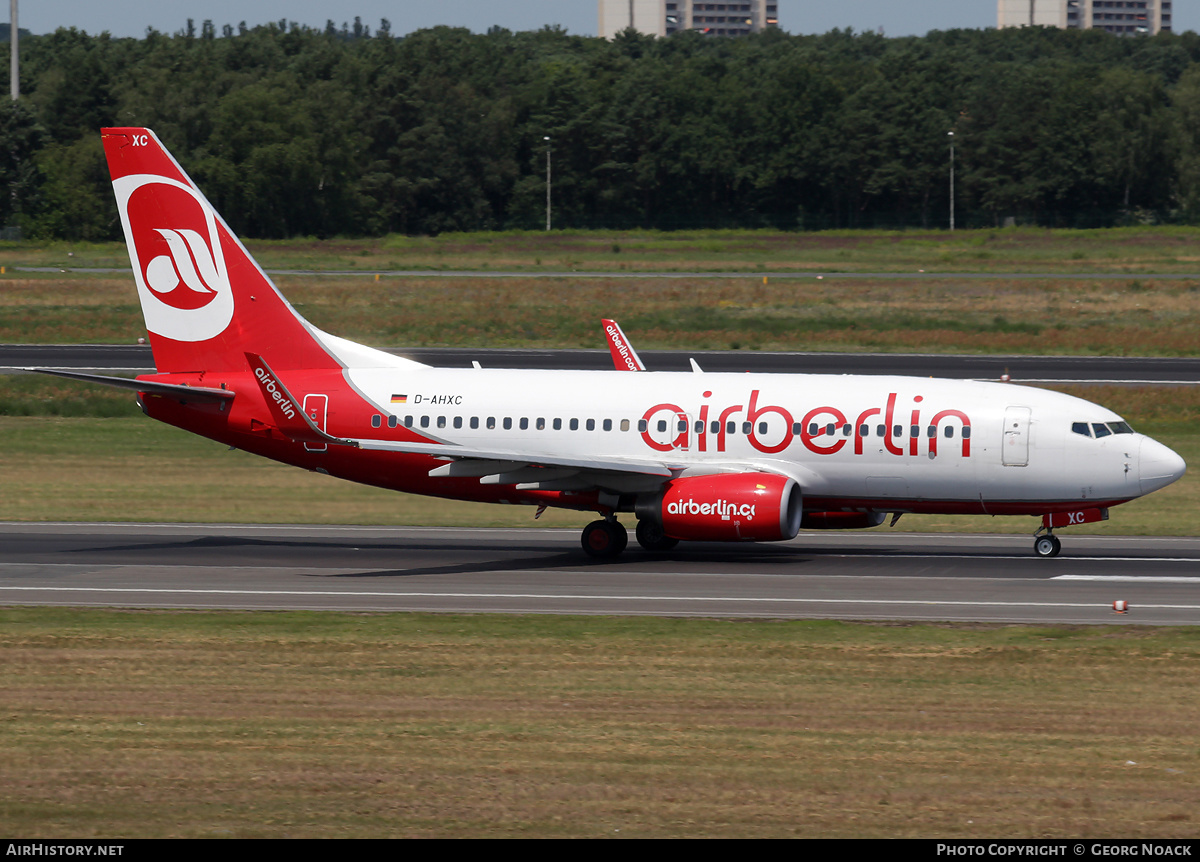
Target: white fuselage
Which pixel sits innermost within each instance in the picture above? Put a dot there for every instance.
(867, 441)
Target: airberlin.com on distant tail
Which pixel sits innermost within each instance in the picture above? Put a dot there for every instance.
(692, 456)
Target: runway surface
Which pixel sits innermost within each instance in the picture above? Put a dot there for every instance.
(110, 358)
(866, 576)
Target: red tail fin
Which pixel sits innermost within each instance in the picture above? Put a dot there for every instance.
(205, 299)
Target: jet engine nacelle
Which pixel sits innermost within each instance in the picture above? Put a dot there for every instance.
(728, 507)
(841, 520)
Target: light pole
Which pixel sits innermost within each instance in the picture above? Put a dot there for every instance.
(547, 140)
(951, 136)
(14, 62)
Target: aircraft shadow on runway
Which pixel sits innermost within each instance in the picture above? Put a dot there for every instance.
(530, 555)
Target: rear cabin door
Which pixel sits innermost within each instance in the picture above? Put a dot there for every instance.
(316, 406)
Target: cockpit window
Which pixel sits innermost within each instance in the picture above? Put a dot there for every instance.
(1101, 429)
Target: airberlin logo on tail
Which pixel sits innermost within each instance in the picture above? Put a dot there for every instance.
(275, 393)
(181, 278)
(175, 249)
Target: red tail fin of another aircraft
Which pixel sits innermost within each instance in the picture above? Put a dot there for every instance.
(205, 300)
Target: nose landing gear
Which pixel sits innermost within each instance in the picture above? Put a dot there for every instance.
(1047, 545)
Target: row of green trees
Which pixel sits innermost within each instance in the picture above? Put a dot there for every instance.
(298, 131)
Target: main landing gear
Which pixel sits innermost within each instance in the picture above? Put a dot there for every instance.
(607, 538)
(604, 539)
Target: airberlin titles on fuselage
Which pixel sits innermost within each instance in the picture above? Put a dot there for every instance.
(815, 429)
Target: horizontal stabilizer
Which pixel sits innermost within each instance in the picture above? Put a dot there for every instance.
(193, 394)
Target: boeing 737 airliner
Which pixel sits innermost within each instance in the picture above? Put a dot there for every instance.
(693, 456)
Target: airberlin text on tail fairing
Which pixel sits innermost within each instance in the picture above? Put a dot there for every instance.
(721, 457)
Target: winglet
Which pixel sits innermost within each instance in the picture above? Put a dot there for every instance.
(287, 413)
(624, 357)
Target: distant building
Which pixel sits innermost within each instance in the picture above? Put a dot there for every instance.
(1123, 17)
(664, 17)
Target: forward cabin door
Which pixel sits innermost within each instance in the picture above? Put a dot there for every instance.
(1015, 452)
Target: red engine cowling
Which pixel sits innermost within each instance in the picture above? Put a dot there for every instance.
(730, 507)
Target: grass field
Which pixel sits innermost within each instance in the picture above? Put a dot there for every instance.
(1071, 316)
(1136, 250)
(336, 725)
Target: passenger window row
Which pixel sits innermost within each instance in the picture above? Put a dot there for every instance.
(661, 425)
(507, 423)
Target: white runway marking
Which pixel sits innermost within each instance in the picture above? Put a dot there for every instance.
(1131, 579)
(579, 597)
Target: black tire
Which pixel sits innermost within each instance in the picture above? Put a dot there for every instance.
(604, 539)
(651, 537)
(1047, 546)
